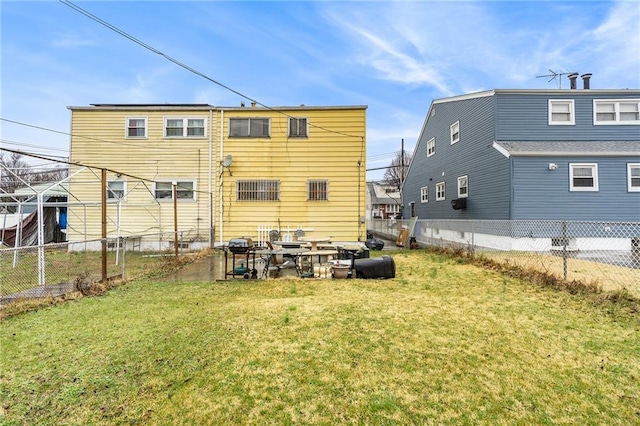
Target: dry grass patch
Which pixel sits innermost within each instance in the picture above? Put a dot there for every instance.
(444, 343)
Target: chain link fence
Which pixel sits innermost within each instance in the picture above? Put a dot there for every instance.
(603, 253)
(52, 270)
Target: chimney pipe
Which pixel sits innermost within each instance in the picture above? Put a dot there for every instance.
(585, 80)
(572, 78)
(253, 104)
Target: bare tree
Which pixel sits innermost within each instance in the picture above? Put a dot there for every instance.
(397, 171)
(16, 172)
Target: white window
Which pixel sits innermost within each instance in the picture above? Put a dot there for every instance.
(424, 194)
(455, 132)
(185, 190)
(561, 112)
(175, 127)
(298, 128)
(136, 127)
(392, 208)
(116, 189)
(431, 147)
(463, 187)
(249, 127)
(583, 177)
(616, 111)
(440, 191)
(317, 190)
(258, 190)
(633, 177)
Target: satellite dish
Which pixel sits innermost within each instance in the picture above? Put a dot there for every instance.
(227, 160)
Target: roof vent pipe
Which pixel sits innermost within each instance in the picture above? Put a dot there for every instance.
(572, 78)
(585, 81)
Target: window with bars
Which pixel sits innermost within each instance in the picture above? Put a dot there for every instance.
(184, 127)
(136, 127)
(258, 190)
(583, 177)
(298, 128)
(249, 127)
(616, 112)
(185, 190)
(317, 190)
(561, 112)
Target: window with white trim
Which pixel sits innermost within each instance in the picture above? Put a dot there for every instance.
(424, 194)
(185, 190)
(562, 112)
(298, 128)
(431, 147)
(440, 191)
(249, 127)
(258, 190)
(317, 190)
(633, 177)
(136, 127)
(179, 127)
(616, 111)
(455, 132)
(463, 187)
(583, 177)
(116, 189)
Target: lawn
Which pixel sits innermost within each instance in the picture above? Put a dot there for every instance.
(445, 342)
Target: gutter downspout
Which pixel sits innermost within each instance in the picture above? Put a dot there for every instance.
(210, 186)
(221, 175)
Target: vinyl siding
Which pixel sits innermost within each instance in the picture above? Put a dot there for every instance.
(336, 142)
(525, 117)
(473, 156)
(540, 193)
(331, 155)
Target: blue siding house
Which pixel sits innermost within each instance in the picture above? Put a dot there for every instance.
(566, 154)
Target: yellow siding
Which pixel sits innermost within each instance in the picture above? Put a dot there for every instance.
(335, 145)
(333, 150)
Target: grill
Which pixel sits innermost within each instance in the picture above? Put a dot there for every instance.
(240, 245)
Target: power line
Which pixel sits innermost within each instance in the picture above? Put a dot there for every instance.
(186, 67)
(78, 164)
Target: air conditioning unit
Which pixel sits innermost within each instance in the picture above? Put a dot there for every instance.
(459, 203)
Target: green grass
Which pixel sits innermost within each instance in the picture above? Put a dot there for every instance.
(446, 342)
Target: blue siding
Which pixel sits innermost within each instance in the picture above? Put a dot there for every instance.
(519, 187)
(540, 193)
(525, 117)
(473, 156)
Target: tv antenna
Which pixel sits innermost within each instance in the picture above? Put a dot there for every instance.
(556, 76)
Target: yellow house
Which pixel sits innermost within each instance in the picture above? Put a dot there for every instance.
(216, 173)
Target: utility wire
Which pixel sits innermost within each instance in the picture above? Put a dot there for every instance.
(186, 67)
(75, 163)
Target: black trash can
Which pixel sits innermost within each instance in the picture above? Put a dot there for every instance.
(378, 267)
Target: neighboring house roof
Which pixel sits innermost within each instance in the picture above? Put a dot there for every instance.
(567, 148)
(61, 190)
(379, 194)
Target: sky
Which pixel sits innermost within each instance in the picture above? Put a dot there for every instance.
(395, 57)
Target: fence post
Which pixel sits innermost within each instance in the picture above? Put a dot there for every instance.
(565, 241)
(124, 261)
